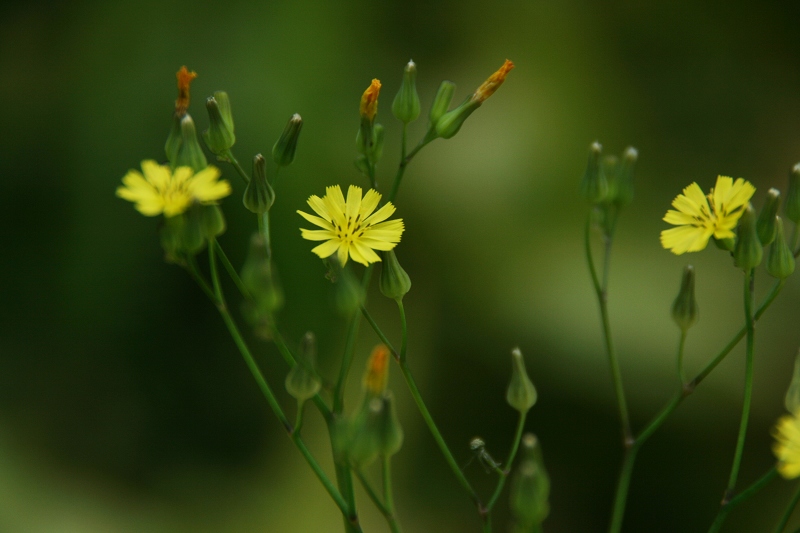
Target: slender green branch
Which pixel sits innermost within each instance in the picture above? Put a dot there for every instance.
(233, 161)
(727, 506)
(787, 514)
(509, 462)
(219, 301)
(231, 271)
(403, 164)
(404, 331)
(194, 272)
(298, 421)
(387, 492)
(384, 509)
(749, 281)
(621, 496)
(681, 345)
(602, 298)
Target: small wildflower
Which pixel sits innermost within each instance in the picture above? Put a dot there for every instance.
(787, 445)
(351, 228)
(369, 100)
(160, 190)
(185, 79)
(698, 220)
(494, 81)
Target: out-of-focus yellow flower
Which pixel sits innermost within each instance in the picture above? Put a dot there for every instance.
(160, 190)
(494, 81)
(377, 375)
(787, 445)
(185, 79)
(350, 227)
(698, 221)
(369, 100)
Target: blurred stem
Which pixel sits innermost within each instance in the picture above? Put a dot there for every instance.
(510, 461)
(404, 161)
(788, 512)
(795, 236)
(681, 345)
(298, 422)
(387, 493)
(233, 161)
(749, 285)
(376, 500)
(602, 298)
(219, 302)
(423, 409)
(404, 331)
(194, 272)
(675, 401)
(728, 505)
(231, 271)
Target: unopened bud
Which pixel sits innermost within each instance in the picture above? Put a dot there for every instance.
(374, 431)
(766, 225)
(792, 400)
(521, 394)
(302, 382)
(792, 206)
(219, 136)
(780, 259)
(441, 102)
(376, 376)
(212, 222)
(623, 190)
(449, 123)
(174, 140)
(258, 196)
(594, 186)
(748, 252)
(684, 309)
(190, 154)
(378, 135)
(405, 106)
(394, 282)
(285, 147)
(259, 278)
(530, 487)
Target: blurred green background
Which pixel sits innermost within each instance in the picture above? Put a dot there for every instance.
(124, 406)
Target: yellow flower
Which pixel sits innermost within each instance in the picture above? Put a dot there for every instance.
(351, 228)
(163, 191)
(369, 100)
(494, 81)
(697, 221)
(787, 445)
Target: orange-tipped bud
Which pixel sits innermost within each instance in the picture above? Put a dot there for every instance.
(377, 375)
(369, 100)
(488, 87)
(184, 81)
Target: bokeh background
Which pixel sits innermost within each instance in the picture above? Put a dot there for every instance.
(124, 405)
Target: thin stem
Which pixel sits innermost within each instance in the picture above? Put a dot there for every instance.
(219, 301)
(602, 298)
(507, 468)
(403, 164)
(387, 492)
(194, 272)
(681, 344)
(263, 229)
(231, 271)
(621, 496)
(298, 421)
(404, 331)
(376, 500)
(749, 281)
(787, 514)
(743, 496)
(232, 160)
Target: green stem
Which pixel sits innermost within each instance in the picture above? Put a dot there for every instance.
(404, 331)
(387, 493)
(232, 160)
(219, 301)
(602, 298)
(298, 421)
(788, 512)
(749, 281)
(263, 229)
(406, 159)
(507, 468)
(231, 271)
(727, 506)
(194, 272)
(681, 344)
(376, 500)
(672, 405)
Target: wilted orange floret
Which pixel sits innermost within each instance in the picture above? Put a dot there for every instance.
(488, 87)
(369, 100)
(377, 370)
(184, 81)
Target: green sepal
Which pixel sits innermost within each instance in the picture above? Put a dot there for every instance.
(748, 251)
(780, 259)
(258, 195)
(190, 154)
(220, 136)
(521, 394)
(285, 147)
(684, 309)
(405, 106)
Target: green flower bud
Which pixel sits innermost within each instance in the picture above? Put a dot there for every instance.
(766, 225)
(190, 154)
(378, 134)
(219, 137)
(174, 141)
(780, 260)
(725, 244)
(394, 282)
(212, 222)
(302, 382)
(748, 252)
(684, 309)
(792, 206)
(285, 147)
(374, 431)
(449, 123)
(594, 186)
(362, 164)
(405, 106)
(530, 487)
(792, 400)
(258, 196)
(521, 394)
(258, 277)
(441, 102)
(623, 190)
(182, 235)
(349, 296)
